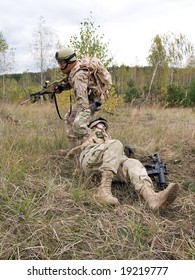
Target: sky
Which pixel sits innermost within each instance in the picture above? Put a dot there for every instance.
(128, 25)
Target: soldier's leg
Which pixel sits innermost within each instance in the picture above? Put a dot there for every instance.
(106, 159)
(133, 172)
(105, 156)
(71, 137)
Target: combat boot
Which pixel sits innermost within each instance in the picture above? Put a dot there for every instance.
(159, 201)
(72, 143)
(104, 193)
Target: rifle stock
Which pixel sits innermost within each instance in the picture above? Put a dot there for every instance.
(157, 170)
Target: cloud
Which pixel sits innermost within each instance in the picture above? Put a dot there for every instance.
(129, 25)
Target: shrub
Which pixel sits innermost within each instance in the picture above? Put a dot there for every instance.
(132, 92)
(175, 95)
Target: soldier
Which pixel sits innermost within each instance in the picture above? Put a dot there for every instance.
(101, 153)
(89, 97)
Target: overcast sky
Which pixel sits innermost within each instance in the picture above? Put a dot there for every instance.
(129, 25)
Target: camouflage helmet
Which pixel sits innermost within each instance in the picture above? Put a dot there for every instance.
(99, 120)
(67, 54)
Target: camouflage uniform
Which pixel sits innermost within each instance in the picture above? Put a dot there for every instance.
(78, 118)
(84, 86)
(101, 153)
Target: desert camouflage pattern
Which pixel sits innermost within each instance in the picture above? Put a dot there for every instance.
(99, 79)
(85, 86)
(101, 153)
(77, 119)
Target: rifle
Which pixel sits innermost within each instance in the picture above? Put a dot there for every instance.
(50, 89)
(157, 170)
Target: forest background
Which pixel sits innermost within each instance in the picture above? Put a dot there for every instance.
(168, 78)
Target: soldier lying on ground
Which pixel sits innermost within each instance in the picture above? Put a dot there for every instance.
(101, 153)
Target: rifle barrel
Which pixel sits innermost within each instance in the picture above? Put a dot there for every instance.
(25, 101)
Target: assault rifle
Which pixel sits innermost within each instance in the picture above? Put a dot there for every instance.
(51, 90)
(157, 170)
(58, 87)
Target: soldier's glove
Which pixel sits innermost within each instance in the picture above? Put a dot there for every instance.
(62, 86)
(59, 88)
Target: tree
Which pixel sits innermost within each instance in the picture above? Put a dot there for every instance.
(175, 95)
(178, 51)
(120, 76)
(6, 60)
(3, 43)
(132, 92)
(42, 48)
(90, 42)
(170, 51)
(190, 100)
(156, 58)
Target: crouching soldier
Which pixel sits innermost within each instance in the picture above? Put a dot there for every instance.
(101, 153)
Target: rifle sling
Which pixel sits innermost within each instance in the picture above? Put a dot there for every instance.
(56, 104)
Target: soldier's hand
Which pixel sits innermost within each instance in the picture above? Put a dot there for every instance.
(59, 89)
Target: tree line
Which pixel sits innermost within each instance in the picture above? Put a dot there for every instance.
(169, 77)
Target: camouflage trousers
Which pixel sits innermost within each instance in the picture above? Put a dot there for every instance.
(110, 156)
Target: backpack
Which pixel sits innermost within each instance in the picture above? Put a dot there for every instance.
(100, 81)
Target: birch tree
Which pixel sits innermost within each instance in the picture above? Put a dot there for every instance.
(178, 50)
(156, 58)
(91, 41)
(6, 60)
(42, 47)
(171, 51)
(3, 43)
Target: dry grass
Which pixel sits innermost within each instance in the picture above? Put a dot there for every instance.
(47, 210)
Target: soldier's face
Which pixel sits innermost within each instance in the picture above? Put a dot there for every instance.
(67, 67)
(62, 64)
(101, 126)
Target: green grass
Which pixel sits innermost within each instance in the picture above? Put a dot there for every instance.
(47, 209)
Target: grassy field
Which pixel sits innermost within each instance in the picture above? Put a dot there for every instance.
(47, 210)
